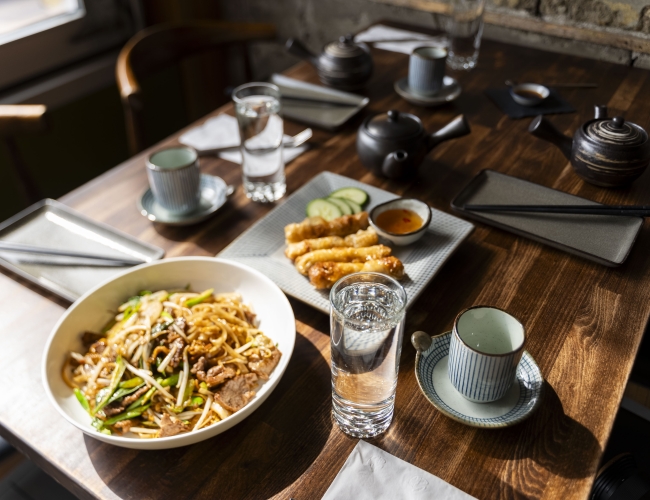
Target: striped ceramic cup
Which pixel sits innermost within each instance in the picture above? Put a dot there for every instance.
(486, 347)
(175, 178)
(427, 70)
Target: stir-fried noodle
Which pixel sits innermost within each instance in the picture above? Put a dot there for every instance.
(171, 363)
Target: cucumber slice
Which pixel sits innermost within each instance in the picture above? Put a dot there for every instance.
(320, 207)
(342, 204)
(356, 208)
(359, 196)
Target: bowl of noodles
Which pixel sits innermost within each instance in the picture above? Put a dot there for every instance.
(170, 353)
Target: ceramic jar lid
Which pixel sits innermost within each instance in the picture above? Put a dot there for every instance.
(616, 132)
(394, 125)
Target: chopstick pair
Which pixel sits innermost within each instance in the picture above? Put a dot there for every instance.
(620, 210)
(102, 259)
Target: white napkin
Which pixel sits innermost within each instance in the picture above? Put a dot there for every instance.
(371, 473)
(381, 33)
(407, 47)
(222, 131)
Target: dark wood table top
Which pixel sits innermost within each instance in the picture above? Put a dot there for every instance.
(584, 321)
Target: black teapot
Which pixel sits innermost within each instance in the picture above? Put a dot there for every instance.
(394, 144)
(344, 63)
(605, 152)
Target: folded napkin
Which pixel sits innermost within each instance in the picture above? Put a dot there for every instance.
(382, 33)
(553, 104)
(222, 131)
(371, 473)
(398, 40)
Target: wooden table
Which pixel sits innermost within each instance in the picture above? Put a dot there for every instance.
(585, 321)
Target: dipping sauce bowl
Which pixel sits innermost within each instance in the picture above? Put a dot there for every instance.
(529, 94)
(402, 221)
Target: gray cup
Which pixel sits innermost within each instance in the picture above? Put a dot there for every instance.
(427, 70)
(175, 178)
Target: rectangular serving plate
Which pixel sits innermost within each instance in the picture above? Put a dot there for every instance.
(50, 224)
(327, 117)
(603, 239)
(262, 245)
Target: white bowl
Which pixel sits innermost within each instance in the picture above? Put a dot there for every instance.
(417, 206)
(542, 91)
(92, 312)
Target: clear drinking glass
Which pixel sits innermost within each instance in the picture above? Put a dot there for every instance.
(464, 27)
(366, 327)
(257, 107)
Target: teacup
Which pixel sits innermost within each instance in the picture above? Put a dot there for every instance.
(175, 178)
(486, 347)
(427, 70)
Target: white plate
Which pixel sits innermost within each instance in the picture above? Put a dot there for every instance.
(262, 245)
(92, 312)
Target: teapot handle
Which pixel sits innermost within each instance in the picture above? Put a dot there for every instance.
(296, 47)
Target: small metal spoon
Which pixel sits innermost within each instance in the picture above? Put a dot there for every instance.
(291, 142)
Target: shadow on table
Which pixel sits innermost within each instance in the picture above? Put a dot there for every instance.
(551, 438)
(257, 458)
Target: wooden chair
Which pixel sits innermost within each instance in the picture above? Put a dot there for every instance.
(157, 47)
(19, 119)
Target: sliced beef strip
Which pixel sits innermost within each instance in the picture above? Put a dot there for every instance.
(131, 398)
(114, 408)
(169, 427)
(237, 392)
(178, 355)
(215, 375)
(89, 338)
(124, 425)
(218, 374)
(264, 366)
(199, 367)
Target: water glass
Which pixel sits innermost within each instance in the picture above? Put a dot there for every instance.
(464, 27)
(366, 328)
(257, 107)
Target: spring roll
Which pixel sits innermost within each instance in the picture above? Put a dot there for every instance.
(362, 238)
(304, 262)
(324, 274)
(317, 227)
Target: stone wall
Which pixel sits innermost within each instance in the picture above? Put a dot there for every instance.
(319, 21)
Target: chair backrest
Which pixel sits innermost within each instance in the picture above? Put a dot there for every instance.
(157, 47)
(21, 119)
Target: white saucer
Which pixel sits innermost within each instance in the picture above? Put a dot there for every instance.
(449, 92)
(214, 192)
(519, 403)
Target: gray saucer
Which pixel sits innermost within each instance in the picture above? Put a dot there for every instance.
(214, 192)
(523, 398)
(450, 91)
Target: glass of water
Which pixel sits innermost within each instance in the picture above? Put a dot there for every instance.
(366, 327)
(257, 107)
(464, 27)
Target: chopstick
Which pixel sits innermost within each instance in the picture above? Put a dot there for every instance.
(625, 210)
(573, 85)
(326, 102)
(13, 247)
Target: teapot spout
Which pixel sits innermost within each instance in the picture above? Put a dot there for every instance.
(298, 49)
(544, 129)
(395, 164)
(458, 127)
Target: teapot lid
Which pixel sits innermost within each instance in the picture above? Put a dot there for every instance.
(616, 132)
(344, 47)
(394, 125)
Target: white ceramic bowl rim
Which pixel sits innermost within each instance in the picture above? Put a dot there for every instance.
(515, 350)
(398, 201)
(535, 87)
(178, 440)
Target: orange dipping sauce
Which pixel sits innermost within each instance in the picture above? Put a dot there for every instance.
(399, 221)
